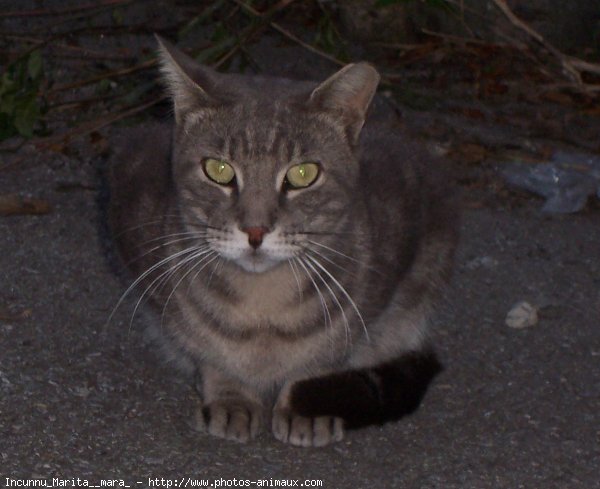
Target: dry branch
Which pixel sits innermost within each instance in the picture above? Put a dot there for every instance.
(67, 10)
(572, 67)
(287, 33)
(104, 76)
(44, 144)
(85, 52)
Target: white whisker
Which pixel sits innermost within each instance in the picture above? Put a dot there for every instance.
(337, 252)
(215, 268)
(211, 256)
(139, 226)
(343, 290)
(293, 268)
(347, 330)
(312, 250)
(163, 278)
(326, 313)
(190, 234)
(148, 272)
(161, 220)
(334, 251)
(173, 241)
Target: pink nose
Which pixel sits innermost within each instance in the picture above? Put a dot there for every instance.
(255, 235)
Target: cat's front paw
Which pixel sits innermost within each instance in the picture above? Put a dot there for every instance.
(306, 432)
(230, 419)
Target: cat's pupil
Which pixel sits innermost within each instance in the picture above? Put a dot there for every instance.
(302, 171)
(221, 168)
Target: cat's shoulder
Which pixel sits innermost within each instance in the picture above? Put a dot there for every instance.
(149, 137)
(399, 165)
(384, 144)
(146, 146)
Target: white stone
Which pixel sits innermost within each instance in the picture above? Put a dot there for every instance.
(522, 315)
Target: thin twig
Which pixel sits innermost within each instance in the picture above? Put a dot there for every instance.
(67, 104)
(77, 16)
(83, 129)
(95, 125)
(281, 5)
(111, 74)
(67, 47)
(102, 122)
(463, 40)
(585, 65)
(573, 67)
(398, 46)
(552, 87)
(23, 54)
(472, 11)
(305, 45)
(15, 148)
(289, 35)
(63, 11)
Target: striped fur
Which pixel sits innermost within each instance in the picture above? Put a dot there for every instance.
(346, 276)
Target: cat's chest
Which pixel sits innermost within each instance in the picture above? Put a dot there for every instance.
(265, 299)
(262, 300)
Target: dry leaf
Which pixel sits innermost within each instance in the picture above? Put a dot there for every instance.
(469, 153)
(6, 315)
(471, 113)
(492, 87)
(558, 97)
(592, 111)
(13, 205)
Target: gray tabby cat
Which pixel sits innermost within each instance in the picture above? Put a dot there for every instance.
(293, 257)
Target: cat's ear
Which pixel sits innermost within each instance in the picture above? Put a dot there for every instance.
(189, 84)
(347, 94)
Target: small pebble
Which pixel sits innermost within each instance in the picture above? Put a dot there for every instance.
(481, 262)
(522, 315)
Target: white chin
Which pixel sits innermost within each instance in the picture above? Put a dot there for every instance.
(256, 264)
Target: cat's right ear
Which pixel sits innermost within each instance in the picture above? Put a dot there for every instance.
(189, 84)
(347, 95)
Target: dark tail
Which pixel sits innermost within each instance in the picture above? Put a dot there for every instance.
(369, 396)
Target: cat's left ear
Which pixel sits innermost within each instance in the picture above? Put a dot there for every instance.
(347, 95)
(192, 87)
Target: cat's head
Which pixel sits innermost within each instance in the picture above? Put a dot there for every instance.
(263, 167)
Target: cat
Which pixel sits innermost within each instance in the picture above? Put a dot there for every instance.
(292, 257)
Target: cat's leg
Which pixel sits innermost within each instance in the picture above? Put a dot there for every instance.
(289, 427)
(229, 409)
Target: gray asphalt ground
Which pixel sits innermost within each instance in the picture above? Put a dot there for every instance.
(513, 408)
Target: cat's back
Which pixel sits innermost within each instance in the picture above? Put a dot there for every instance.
(141, 152)
(400, 174)
(411, 204)
(139, 179)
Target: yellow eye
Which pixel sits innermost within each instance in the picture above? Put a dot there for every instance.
(302, 175)
(219, 171)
